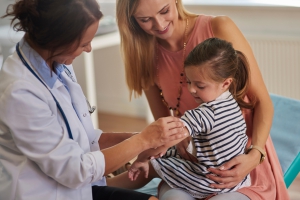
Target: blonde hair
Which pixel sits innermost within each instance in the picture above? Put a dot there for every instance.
(138, 47)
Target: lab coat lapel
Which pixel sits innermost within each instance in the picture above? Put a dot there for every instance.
(80, 106)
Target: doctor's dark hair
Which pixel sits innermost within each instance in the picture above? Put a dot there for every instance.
(53, 24)
(222, 61)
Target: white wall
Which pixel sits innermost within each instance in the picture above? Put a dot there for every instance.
(257, 19)
(3, 6)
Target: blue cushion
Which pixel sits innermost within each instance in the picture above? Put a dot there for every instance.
(285, 134)
(151, 187)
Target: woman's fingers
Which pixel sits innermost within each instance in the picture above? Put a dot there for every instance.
(229, 183)
(226, 179)
(231, 173)
(224, 170)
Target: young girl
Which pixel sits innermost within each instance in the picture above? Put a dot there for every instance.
(217, 77)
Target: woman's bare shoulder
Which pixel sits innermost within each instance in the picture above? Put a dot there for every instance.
(222, 24)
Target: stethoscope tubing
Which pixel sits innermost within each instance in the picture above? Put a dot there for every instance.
(57, 103)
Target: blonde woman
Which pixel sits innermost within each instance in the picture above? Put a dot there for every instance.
(156, 37)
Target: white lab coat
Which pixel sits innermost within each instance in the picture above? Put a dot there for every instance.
(38, 161)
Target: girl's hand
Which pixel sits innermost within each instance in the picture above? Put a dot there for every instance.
(181, 148)
(136, 168)
(234, 171)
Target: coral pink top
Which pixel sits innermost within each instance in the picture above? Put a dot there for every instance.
(267, 178)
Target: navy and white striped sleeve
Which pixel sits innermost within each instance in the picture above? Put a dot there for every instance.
(199, 120)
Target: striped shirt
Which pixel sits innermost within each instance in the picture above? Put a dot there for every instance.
(218, 130)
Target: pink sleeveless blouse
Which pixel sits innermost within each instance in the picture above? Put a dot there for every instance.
(170, 65)
(267, 178)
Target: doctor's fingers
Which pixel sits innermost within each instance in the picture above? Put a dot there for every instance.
(168, 136)
(170, 123)
(173, 122)
(164, 125)
(162, 131)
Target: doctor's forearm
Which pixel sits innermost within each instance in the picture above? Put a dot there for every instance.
(110, 139)
(116, 156)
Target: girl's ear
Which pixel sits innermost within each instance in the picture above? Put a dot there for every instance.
(226, 83)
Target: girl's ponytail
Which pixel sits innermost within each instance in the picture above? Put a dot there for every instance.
(239, 87)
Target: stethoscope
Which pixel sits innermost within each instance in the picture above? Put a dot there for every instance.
(90, 108)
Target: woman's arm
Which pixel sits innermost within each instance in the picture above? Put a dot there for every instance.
(224, 28)
(157, 107)
(158, 133)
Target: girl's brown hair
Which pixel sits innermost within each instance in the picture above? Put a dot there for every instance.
(223, 62)
(138, 47)
(54, 25)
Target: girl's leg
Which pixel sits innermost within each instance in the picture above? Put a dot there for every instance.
(112, 193)
(231, 196)
(168, 193)
(122, 180)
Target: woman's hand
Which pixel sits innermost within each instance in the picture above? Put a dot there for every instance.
(162, 131)
(182, 150)
(234, 171)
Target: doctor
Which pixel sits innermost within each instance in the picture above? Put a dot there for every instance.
(48, 146)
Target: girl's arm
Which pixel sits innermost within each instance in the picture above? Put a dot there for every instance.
(224, 28)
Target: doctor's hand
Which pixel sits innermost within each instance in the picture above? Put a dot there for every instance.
(162, 131)
(234, 171)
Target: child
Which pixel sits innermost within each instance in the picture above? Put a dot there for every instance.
(217, 77)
